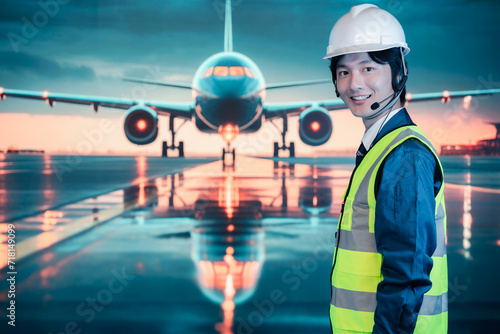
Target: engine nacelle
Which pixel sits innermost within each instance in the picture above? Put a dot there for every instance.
(315, 126)
(141, 125)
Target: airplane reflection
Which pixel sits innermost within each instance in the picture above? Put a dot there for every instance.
(144, 194)
(315, 199)
(228, 265)
(227, 233)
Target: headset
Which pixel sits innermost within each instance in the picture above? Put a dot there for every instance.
(394, 96)
(393, 99)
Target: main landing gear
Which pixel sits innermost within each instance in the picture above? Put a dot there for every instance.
(277, 147)
(173, 147)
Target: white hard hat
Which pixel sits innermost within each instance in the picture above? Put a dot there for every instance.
(365, 28)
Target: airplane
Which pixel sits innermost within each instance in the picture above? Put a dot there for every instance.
(229, 93)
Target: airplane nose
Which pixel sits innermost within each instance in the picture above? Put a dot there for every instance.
(235, 110)
(234, 88)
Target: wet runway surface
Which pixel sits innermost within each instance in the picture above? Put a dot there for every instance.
(35, 183)
(244, 250)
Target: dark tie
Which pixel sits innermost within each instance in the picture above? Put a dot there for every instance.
(360, 154)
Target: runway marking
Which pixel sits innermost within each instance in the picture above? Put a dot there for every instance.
(45, 240)
(14, 171)
(66, 230)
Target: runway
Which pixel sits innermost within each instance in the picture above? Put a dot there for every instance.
(132, 245)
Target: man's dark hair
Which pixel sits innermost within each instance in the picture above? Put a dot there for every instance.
(389, 56)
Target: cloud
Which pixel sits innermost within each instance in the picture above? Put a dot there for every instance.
(36, 67)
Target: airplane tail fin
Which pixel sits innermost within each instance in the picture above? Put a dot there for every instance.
(228, 29)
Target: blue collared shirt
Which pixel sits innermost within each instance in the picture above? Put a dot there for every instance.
(405, 231)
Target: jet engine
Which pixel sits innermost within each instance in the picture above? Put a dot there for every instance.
(141, 125)
(315, 126)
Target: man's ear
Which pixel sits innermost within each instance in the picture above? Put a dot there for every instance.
(399, 78)
(336, 90)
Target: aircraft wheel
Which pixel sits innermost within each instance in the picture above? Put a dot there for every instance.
(164, 149)
(276, 149)
(181, 149)
(234, 156)
(292, 150)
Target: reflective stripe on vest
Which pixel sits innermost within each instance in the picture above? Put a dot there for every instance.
(357, 265)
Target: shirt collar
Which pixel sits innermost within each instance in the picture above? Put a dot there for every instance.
(372, 132)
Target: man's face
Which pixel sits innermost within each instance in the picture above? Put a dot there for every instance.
(362, 82)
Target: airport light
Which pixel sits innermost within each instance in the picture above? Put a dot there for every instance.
(466, 102)
(228, 132)
(446, 97)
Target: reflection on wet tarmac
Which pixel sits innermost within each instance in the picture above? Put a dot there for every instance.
(245, 250)
(228, 239)
(228, 265)
(467, 218)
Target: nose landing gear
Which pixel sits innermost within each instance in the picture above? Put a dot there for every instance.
(228, 133)
(228, 152)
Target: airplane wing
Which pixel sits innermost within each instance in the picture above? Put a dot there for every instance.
(160, 83)
(445, 96)
(188, 86)
(177, 109)
(277, 110)
(297, 83)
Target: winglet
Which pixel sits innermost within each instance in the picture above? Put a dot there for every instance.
(228, 29)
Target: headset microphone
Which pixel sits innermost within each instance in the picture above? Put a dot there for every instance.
(376, 105)
(394, 97)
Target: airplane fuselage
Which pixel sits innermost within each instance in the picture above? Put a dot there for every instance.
(228, 88)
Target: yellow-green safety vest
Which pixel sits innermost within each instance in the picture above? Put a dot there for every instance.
(357, 264)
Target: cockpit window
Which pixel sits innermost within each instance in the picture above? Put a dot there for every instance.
(236, 71)
(249, 72)
(208, 72)
(221, 71)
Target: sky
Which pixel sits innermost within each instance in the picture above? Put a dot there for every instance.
(86, 47)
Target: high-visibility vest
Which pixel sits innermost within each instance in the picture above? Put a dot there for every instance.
(357, 264)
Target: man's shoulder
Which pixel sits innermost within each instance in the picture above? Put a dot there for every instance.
(412, 150)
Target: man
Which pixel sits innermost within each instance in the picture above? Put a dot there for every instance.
(389, 270)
